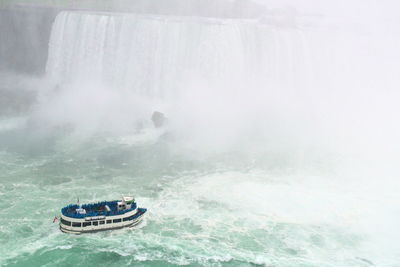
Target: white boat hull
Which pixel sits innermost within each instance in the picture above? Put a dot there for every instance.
(95, 225)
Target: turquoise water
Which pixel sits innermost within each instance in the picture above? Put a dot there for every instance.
(204, 209)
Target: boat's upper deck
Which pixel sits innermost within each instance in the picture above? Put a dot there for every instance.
(105, 208)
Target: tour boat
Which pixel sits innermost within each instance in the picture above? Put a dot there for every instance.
(106, 215)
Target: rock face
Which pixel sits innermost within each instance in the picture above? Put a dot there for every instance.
(24, 42)
(158, 119)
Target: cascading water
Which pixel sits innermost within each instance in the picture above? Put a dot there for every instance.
(154, 55)
(186, 66)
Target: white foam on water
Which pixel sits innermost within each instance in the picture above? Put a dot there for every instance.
(307, 206)
(145, 136)
(251, 196)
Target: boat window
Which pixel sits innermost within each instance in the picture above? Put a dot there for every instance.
(127, 219)
(108, 221)
(116, 220)
(76, 224)
(96, 223)
(102, 222)
(68, 223)
(86, 224)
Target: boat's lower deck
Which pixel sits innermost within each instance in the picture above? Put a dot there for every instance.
(101, 223)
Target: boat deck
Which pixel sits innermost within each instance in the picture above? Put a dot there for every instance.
(95, 209)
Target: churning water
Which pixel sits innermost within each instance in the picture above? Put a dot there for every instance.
(280, 147)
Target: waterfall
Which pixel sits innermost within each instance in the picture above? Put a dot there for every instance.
(204, 72)
(157, 56)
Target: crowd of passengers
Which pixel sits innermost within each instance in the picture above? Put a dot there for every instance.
(95, 209)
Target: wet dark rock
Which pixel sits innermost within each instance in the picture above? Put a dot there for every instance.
(158, 119)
